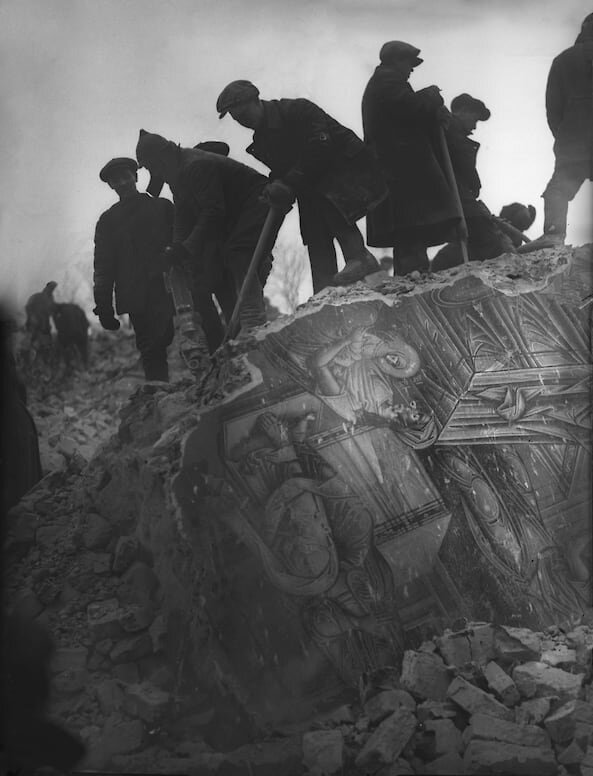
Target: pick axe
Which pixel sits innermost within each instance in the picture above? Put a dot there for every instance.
(265, 243)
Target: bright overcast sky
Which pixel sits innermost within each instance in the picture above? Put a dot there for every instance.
(80, 77)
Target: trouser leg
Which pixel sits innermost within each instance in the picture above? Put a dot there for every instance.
(206, 315)
(154, 333)
(409, 255)
(448, 256)
(566, 180)
(357, 257)
(238, 252)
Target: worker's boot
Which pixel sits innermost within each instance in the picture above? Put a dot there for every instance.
(356, 269)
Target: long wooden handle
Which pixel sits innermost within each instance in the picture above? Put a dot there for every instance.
(455, 191)
(265, 243)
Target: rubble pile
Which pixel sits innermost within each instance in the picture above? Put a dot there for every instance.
(99, 553)
(93, 552)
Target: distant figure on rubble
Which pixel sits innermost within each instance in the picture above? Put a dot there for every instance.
(38, 310)
(219, 215)
(321, 164)
(520, 216)
(485, 238)
(129, 240)
(569, 110)
(402, 128)
(72, 327)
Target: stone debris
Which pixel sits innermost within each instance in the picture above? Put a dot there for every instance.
(501, 684)
(425, 675)
(535, 679)
(474, 699)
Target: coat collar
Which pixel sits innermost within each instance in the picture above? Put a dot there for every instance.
(272, 117)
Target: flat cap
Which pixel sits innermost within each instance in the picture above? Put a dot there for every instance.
(235, 93)
(120, 161)
(471, 103)
(398, 50)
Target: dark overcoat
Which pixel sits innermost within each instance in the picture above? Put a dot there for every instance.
(211, 194)
(129, 239)
(401, 127)
(569, 103)
(312, 152)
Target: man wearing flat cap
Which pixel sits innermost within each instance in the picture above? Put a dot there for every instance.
(129, 240)
(322, 164)
(485, 239)
(402, 128)
(219, 215)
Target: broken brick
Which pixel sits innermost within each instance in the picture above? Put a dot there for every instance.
(385, 703)
(488, 728)
(574, 717)
(447, 737)
(387, 742)
(425, 675)
(501, 684)
(516, 644)
(488, 757)
(474, 700)
(532, 712)
(535, 679)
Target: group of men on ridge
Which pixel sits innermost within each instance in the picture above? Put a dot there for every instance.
(399, 177)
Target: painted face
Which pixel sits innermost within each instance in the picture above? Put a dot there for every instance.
(402, 361)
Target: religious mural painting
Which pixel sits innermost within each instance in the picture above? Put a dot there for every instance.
(398, 465)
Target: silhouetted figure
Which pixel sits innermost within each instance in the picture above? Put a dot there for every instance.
(19, 457)
(72, 327)
(402, 128)
(30, 739)
(322, 164)
(569, 110)
(38, 310)
(485, 240)
(129, 240)
(520, 216)
(219, 215)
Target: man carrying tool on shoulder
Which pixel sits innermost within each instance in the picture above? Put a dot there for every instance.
(321, 164)
(485, 238)
(219, 215)
(403, 129)
(129, 240)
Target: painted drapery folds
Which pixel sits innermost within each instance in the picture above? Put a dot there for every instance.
(398, 461)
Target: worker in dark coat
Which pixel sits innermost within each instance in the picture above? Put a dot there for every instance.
(219, 215)
(519, 216)
(569, 110)
(402, 128)
(320, 162)
(485, 239)
(129, 240)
